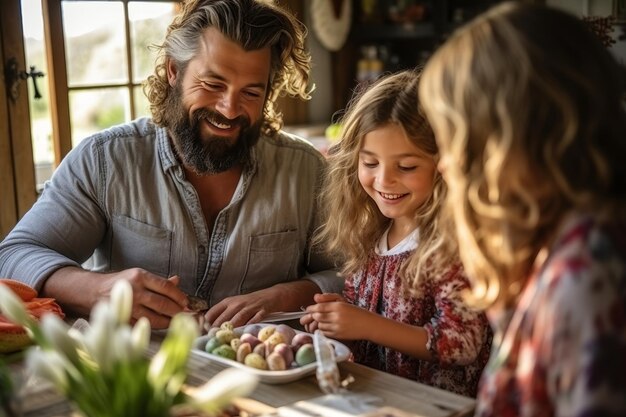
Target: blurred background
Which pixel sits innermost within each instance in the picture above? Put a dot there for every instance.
(72, 68)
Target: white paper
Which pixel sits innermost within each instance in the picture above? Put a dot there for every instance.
(332, 405)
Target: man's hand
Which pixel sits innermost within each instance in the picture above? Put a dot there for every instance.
(154, 297)
(253, 307)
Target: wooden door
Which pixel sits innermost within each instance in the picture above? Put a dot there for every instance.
(17, 172)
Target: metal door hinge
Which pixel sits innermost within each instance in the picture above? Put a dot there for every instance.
(13, 76)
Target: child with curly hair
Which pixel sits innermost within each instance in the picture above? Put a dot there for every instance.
(382, 202)
(531, 127)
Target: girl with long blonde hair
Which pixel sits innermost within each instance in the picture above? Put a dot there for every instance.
(527, 108)
(382, 201)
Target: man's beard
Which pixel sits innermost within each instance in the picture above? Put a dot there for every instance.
(215, 154)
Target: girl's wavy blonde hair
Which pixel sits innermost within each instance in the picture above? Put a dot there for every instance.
(253, 24)
(353, 223)
(527, 108)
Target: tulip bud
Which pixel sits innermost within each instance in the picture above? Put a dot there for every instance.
(140, 338)
(13, 308)
(220, 390)
(99, 338)
(56, 331)
(122, 301)
(171, 359)
(50, 366)
(123, 345)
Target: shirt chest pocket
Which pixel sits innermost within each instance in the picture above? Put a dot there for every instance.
(272, 258)
(135, 244)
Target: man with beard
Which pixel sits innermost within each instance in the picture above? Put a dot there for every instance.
(206, 198)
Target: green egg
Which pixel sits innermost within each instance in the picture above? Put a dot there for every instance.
(211, 344)
(225, 351)
(305, 355)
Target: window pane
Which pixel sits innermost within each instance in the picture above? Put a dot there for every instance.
(41, 120)
(94, 110)
(148, 24)
(142, 106)
(95, 42)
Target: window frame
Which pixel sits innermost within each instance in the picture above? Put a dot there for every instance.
(294, 111)
(57, 68)
(18, 188)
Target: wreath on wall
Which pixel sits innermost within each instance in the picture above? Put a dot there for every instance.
(331, 21)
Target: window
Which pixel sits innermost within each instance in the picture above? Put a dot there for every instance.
(93, 57)
(108, 56)
(96, 54)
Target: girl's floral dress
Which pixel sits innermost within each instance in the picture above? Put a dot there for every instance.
(458, 337)
(562, 350)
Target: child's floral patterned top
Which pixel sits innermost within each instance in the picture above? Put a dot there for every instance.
(458, 337)
(562, 351)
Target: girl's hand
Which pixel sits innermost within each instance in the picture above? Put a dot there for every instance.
(328, 297)
(310, 325)
(340, 320)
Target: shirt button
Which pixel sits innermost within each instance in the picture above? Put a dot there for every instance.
(201, 249)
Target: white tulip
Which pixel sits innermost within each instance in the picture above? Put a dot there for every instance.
(13, 308)
(122, 301)
(99, 338)
(185, 329)
(55, 331)
(122, 345)
(49, 365)
(220, 390)
(101, 316)
(140, 338)
(156, 372)
(78, 338)
(172, 356)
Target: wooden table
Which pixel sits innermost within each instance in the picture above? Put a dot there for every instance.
(406, 395)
